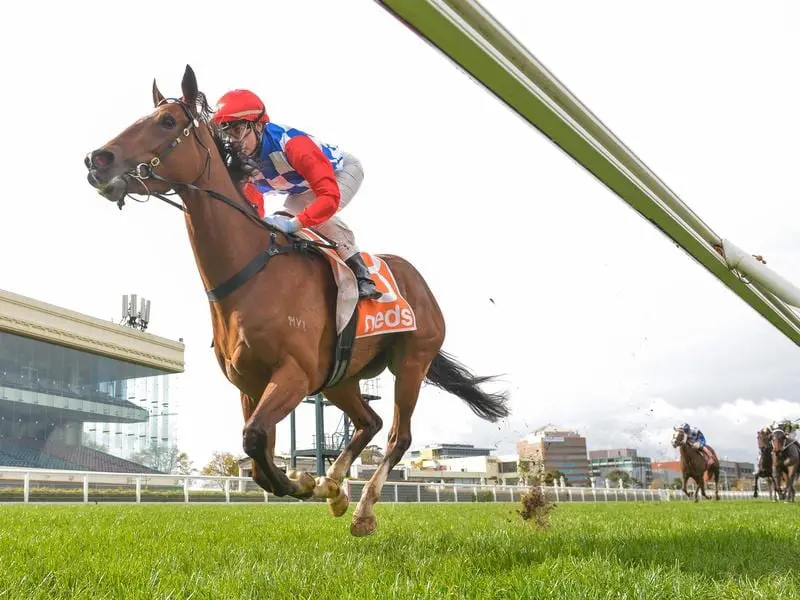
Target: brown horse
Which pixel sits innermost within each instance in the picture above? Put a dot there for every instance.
(695, 466)
(764, 467)
(785, 461)
(275, 333)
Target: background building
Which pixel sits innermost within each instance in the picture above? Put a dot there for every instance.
(554, 449)
(440, 451)
(623, 459)
(78, 392)
(665, 472)
(738, 474)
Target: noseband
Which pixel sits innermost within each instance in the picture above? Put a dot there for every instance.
(146, 170)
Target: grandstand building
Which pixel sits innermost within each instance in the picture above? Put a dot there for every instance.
(77, 392)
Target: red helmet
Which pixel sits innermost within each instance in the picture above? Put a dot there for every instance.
(240, 105)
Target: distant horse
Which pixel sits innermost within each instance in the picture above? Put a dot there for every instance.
(764, 469)
(694, 465)
(786, 461)
(273, 303)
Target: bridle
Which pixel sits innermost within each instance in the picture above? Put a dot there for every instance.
(145, 171)
(679, 434)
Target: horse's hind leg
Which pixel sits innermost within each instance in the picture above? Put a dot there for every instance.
(347, 397)
(408, 380)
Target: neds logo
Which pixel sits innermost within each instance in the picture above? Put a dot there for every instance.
(388, 319)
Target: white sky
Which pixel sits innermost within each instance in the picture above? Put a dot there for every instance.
(599, 322)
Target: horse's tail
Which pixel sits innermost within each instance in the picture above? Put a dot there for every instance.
(448, 374)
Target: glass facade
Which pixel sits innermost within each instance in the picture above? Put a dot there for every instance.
(638, 467)
(62, 398)
(441, 451)
(156, 397)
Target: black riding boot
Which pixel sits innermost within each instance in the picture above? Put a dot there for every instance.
(366, 287)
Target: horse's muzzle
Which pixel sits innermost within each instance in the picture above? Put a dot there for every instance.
(113, 190)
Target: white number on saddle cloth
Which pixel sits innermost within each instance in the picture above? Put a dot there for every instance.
(375, 269)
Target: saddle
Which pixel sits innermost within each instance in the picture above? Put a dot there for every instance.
(355, 318)
(708, 455)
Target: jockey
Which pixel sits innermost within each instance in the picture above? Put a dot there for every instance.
(696, 440)
(319, 179)
(694, 436)
(790, 428)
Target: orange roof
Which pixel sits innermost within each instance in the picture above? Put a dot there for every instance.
(669, 465)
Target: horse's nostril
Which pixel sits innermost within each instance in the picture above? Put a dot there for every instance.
(102, 159)
(87, 162)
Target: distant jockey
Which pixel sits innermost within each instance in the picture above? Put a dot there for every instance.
(788, 427)
(697, 440)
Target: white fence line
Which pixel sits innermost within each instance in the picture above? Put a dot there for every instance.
(20, 485)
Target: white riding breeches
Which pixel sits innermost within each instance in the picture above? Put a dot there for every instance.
(349, 178)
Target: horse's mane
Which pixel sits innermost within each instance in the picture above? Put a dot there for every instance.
(203, 108)
(204, 112)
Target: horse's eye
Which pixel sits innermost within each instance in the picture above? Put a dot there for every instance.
(167, 122)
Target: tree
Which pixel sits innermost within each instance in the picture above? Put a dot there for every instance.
(163, 458)
(222, 464)
(549, 477)
(184, 466)
(617, 475)
(527, 473)
(90, 443)
(372, 455)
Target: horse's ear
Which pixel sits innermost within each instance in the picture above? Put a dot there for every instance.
(158, 98)
(189, 88)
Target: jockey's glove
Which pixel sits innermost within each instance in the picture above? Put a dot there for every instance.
(284, 224)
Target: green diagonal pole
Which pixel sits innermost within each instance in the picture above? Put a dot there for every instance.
(469, 36)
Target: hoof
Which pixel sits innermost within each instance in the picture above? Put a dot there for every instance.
(338, 506)
(304, 484)
(363, 526)
(325, 487)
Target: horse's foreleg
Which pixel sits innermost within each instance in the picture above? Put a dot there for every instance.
(703, 490)
(284, 392)
(776, 478)
(755, 486)
(248, 406)
(790, 479)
